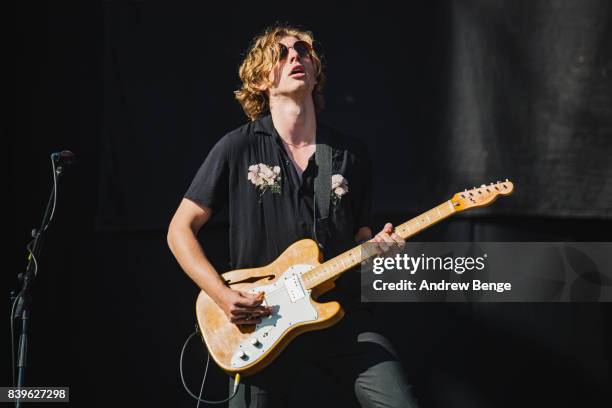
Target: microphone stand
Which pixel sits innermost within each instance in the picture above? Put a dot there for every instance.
(23, 298)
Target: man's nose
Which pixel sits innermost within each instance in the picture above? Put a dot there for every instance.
(293, 55)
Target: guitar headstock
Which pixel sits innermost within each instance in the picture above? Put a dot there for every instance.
(481, 196)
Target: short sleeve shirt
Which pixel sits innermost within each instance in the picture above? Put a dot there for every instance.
(270, 206)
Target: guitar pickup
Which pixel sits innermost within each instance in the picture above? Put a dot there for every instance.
(294, 287)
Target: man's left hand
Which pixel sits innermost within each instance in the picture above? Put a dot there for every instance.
(387, 239)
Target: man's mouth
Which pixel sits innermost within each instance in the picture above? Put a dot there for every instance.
(297, 71)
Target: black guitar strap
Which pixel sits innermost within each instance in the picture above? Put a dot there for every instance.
(322, 191)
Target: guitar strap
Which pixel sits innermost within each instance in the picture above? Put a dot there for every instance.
(322, 191)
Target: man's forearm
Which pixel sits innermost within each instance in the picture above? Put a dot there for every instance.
(190, 256)
(363, 234)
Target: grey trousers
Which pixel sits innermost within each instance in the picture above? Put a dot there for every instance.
(340, 366)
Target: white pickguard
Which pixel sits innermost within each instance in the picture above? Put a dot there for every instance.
(291, 305)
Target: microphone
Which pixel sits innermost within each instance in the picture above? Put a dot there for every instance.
(65, 157)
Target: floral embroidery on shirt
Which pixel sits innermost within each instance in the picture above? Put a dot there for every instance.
(265, 178)
(339, 188)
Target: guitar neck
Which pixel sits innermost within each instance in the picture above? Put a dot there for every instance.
(353, 257)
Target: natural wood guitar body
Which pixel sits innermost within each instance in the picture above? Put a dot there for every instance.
(223, 337)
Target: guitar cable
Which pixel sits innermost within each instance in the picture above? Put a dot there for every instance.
(199, 397)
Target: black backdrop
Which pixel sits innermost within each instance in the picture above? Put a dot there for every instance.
(446, 94)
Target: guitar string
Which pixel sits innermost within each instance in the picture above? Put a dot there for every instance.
(350, 256)
(401, 227)
(324, 269)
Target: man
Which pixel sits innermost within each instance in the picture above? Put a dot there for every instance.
(265, 172)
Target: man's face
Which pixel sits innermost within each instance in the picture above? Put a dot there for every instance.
(293, 75)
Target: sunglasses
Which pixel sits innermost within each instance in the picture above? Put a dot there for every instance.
(302, 48)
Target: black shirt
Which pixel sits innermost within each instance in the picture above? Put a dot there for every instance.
(264, 222)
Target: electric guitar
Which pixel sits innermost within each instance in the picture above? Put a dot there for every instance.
(292, 282)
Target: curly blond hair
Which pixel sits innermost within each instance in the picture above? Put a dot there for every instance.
(259, 62)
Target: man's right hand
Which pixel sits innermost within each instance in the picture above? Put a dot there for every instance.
(242, 307)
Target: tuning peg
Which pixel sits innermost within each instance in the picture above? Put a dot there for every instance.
(506, 180)
(484, 185)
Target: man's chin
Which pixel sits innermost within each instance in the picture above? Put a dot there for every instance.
(296, 92)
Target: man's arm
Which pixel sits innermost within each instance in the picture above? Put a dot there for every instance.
(182, 240)
(363, 234)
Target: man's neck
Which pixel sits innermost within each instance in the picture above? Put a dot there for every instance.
(295, 120)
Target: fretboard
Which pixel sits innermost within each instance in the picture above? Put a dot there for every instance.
(336, 266)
